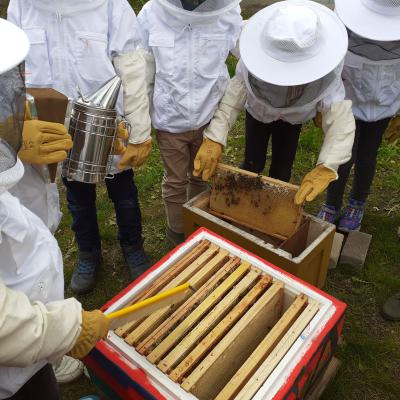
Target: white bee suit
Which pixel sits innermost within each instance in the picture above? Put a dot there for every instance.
(75, 43)
(190, 49)
(31, 263)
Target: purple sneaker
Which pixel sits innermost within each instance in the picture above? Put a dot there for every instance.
(352, 216)
(328, 213)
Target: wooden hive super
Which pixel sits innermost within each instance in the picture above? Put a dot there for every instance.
(258, 214)
(241, 333)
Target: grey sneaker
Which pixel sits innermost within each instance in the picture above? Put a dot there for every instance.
(84, 277)
(391, 309)
(67, 369)
(137, 260)
(174, 237)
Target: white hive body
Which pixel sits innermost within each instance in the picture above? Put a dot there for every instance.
(93, 127)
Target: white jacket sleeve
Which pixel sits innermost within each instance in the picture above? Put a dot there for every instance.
(32, 332)
(339, 127)
(231, 104)
(137, 70)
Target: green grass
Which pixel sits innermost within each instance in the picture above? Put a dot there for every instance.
(371, 349)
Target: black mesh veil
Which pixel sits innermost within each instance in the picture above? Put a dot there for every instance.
(373, 49)
(12, 111)
(291, 96)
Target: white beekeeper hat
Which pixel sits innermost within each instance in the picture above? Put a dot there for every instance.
(14, 45)
(372, 19)
(293, 42)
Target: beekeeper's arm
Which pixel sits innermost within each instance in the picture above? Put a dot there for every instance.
(339, 127)
(33, 332)
(216, 133)
(135, 65)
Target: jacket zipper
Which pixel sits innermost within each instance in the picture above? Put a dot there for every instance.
(61, 50)
(190, 73)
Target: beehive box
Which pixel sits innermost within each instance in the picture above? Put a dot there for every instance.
(247, 330)
(305, 253)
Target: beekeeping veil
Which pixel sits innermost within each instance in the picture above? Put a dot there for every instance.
(12, 99)
(374, 50)
(197, 10)
(291, 44)
(293, 96)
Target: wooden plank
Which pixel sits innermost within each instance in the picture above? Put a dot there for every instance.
(195, 356)
(212, 374)
(205, 273)
(198, 312)
(271, 362)
(189, 335)
(140, 328)
(148, 344)
(263, 350)
(323, 382)
(258, 202)
(164, 279)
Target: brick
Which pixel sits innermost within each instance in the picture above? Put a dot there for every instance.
(355, 249)
(336, 250)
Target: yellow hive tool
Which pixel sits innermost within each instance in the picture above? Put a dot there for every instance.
(148, 306)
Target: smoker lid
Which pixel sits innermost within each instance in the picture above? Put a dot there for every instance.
(105, 97)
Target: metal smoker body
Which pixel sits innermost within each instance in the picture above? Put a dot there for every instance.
(93, 126)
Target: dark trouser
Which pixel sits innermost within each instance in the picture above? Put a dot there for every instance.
(82, 205)
(367, 141)
(285, 138)
(42, 385)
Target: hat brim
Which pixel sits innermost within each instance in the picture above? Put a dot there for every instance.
(14, 45)
(284, 73)
(367, 23)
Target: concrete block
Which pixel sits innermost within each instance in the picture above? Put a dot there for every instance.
(355, 249)
(336, 250)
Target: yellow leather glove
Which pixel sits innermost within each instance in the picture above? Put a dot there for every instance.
(135, 155)
(207, 159)
(95, 326)
(393, 130)
(44, 142)
(122, 135)
(314, 183)
(318, 120)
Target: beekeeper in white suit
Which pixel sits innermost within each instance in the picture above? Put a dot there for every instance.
(291, 61)
(190, 41)
(36, 325)
(85, 43)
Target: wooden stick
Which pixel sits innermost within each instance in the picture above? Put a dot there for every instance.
(271, 362)
(164, 279)
(263, 350)
(212, 374)
(183, 277)
(153, 321)
(194, 357)
(148, 344)
(188, 337)
(197, 313)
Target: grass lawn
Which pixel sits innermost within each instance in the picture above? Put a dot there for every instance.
(371, 349)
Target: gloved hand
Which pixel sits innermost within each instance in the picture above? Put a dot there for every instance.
(135, 155)
(207, 159)
(314, 183)
(122, 135)
(44, 142)
(393, 130)
(95, 326)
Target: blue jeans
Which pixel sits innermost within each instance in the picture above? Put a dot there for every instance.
(366, 145)
(122, 191)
